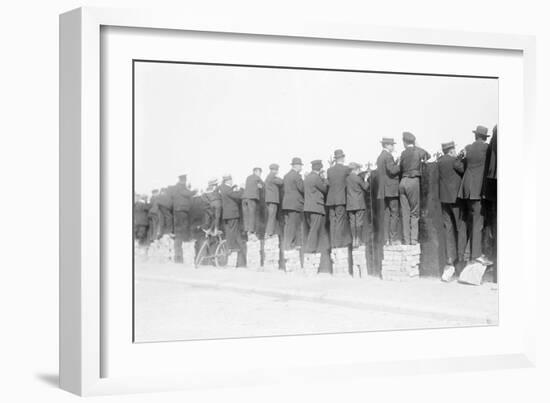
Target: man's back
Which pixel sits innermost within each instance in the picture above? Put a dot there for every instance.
(230, 202)
(474, 166)
(355, 192)
(272, 188)
(411, 161)
(293, 191)
(252, 187)
(388, 175)
(336, 176)
(450, 176)
(314, 193)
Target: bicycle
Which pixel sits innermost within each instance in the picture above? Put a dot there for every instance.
(213, 242)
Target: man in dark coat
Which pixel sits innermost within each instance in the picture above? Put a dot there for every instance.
(231, 199)
(154, 217)
(166, 216)
(273, 186)
(251, 198)
(450, 169)
(315, 189)
(410, 165)
(489, 194)
(336, 202)
(356, 187)
(213, 202)
(182, 199)
(475, 155)
(293, 206)
(388, 189)
(141, 222)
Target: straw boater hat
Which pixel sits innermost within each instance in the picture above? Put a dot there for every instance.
(387, 140)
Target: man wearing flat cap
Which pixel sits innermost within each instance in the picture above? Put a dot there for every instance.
(388, 189)
(315, 189)
(451, 169)
(251, 198)
(231, 199)
(356, 188)
(182, 199)
(470, 190)
(293, 206)
(336, 201)
(273, 186)
(410, 165)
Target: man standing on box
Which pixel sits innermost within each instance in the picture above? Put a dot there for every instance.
(231, 199)
(165, 207)
(251, 198)
(293, 205)
(315, 189)
(336, 201)
(182, 201)
(272, 198)
(388, 189)
(470, 190)
(410, 163)
(450, 169)
(356, 188)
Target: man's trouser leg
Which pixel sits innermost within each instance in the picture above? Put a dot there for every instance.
(252, 215)
(405, 210)
(182, 234)
(356, 220)
(271, 218)
(450, 224)
(315, 223)
(233, 234)
(391, 211)
(245, 214)
(339, 232)
(292, 235)
(413, 195)
(476, 223)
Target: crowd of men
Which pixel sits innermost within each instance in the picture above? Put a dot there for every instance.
(327, 209)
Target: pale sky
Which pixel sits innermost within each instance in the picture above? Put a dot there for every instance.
(206, 121)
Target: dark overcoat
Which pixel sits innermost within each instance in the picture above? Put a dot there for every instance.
(474, 166)
(231, 200)
(336, 176)
(182, 197)
(252, 187)
(315, 189)
(141, 212)
(355, 192)
(293, 191)
(450, 177)
(387, 175)
(272, 188)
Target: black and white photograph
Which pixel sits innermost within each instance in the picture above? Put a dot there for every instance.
(274, 201)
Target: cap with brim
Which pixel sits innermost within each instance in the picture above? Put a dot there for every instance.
(274, 166)
(387, 140)
(296, 161)
(257, 169)
(315, 164)
(481, 131)
(448, 145)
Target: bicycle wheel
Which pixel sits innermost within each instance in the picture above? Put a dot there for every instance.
(220, 257)
(202, 254)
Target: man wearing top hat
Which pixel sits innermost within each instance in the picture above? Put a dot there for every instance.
(336, 201)
(293, 205)
(251, 198)
(315, 189)
(410, 164)
(273, 186)
(182, 199)
(451, 169)
(470, 190)
(388, 189)
(356, 188)
(231, 200)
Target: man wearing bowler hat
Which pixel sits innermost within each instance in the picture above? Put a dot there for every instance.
(181, 201)
(470, 190)
(356, 187)
(251, 198)
(451, 169)
(315, 189)
(273, 186)
(293, 206)
(336, 201)
(388, 189)
(410, 165)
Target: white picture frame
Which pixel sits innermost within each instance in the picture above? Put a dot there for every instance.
(83, 342)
